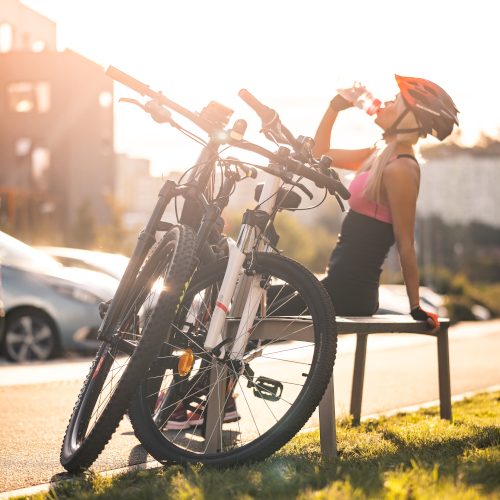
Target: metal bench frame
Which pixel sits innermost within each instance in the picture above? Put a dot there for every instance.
(362, 327)
(297, 329)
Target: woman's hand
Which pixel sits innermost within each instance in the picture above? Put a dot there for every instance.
(342, 158)
(418, 314)
(338, 103)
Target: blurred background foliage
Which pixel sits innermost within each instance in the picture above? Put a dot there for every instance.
(311, 245)
(461, 262)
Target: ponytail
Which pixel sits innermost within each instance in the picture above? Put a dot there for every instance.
(378, 160)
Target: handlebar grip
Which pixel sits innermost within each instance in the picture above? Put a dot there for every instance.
(323, 180)
(265, 113)
(128, 81)
(344, 193)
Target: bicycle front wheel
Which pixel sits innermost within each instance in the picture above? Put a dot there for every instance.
(194, 408)
(118, 367)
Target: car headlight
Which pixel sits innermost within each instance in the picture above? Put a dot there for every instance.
(76, 293)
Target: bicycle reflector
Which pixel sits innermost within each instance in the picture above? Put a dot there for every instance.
(185, 362)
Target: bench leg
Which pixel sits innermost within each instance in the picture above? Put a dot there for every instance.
(213, 431)
(358, 377)
(327, 429)
(444, 374)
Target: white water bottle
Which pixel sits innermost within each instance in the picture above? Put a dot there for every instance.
(358, 96)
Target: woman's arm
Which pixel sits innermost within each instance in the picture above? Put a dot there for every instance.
(342, 158)
(400, 182)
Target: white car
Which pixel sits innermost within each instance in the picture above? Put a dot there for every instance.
(48, 307)
(108, 263)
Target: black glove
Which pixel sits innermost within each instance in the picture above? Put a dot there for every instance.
(338, 103)
(418, 314)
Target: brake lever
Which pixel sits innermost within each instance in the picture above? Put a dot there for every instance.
(339, 201)
(275, 135)
(132, 101)
(159, 113)
(302, 187)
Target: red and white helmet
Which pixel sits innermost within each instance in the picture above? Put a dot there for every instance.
(433, 108)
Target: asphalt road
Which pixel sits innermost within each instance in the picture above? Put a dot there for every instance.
(401, 370)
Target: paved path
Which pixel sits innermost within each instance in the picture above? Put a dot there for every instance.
(401, 370)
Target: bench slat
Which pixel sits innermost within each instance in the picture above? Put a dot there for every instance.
(296, 328)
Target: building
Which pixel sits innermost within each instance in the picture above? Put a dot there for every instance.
(56, 123)
(24, 30)
(461, 189)
(137, 191)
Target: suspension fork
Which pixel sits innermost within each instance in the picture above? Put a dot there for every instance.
(237, 254)
(144, 243)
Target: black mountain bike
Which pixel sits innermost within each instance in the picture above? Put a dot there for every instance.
(141, 323)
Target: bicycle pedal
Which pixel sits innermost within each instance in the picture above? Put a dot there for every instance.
(268, 389)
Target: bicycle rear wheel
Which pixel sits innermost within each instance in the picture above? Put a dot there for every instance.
(185, 410)
(118, 367)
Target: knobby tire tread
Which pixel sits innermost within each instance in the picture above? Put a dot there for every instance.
(303, 408)
(164, 312)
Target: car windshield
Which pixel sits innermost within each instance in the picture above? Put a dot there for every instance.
(14, 253)
(114, 265)
(107, 263)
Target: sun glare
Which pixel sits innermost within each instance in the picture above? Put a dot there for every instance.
(287, 55)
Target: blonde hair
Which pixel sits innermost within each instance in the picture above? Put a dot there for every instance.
(378, 160)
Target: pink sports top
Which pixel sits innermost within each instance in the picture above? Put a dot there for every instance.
(362, 205)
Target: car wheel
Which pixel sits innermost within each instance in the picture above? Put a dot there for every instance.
(30, 335)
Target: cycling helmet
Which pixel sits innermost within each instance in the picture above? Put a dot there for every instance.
(433, 108)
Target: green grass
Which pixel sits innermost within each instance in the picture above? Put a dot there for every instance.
(406, 456)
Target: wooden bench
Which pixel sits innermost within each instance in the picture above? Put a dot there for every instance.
(298, 330)
(362, 327)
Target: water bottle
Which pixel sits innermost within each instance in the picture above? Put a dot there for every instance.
(358, 96)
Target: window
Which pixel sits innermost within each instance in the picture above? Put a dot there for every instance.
(40, 162)
(25, 97)
(105, 99)
(23, 146)
(38, 46)
(6, 37)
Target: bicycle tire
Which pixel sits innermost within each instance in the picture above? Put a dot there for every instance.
(146, 408)
(101, 403)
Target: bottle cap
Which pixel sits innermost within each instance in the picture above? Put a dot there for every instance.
(374, 107)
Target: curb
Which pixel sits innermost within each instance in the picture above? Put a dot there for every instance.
(40, 488)
(428, 404)
(33, 490)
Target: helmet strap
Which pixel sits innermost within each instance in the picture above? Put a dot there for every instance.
(393, 129)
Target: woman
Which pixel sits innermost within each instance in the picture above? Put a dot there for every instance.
(383, 197)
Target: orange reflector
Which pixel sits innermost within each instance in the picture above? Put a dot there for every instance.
(186, 362)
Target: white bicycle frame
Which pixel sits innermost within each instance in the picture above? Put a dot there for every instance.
(234, 270)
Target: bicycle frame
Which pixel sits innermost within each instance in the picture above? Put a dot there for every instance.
(193, 193)
(197, 212)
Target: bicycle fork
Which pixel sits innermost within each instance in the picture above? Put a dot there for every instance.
(234, 270)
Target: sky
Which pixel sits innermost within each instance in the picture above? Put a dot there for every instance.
(288, 54)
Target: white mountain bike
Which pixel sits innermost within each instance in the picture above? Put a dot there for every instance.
(255, 325)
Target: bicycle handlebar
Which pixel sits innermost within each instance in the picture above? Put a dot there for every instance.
(266, 114)
(322, 179)
(298, 168)
(145, 90)
(128, 81)
(271, 118)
